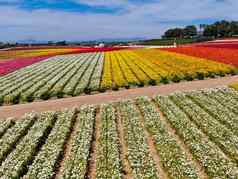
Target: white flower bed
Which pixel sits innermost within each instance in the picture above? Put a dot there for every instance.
(16, 162)
(108, 164)
(11, 136)
(47, 158)
(209, 155)
(217, 132)
(4, 125)
(76, 164)
(173, 158)
(139, 157)
(96, 76)
(85, 80)
(71, 85)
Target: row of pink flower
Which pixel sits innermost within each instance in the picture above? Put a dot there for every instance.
(13, 65)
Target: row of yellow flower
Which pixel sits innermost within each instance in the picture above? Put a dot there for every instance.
(135, 67)
(31, 53)
(235, 86)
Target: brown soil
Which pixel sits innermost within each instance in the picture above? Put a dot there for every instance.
(58, 104)
(127, 171)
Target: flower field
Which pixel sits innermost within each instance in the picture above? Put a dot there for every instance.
(194, 135)
(223, 55)
(12, 60)
(72, 75)
(13, 65)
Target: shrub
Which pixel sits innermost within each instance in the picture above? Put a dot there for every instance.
(102, 90)
(152, 82)
(1, 100)
(27, 98)
(221, 73)
(200, 76)
(141, 84)
(164, 80)
(176, 79)
(188, 77)
(115, 88)
(60, 94)
(45, 95)
(87, 90)
(211, 74)
(127, 86)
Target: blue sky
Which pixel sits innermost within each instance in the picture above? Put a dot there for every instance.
(98, 19)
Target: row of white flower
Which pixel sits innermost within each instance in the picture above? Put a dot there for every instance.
(57, 76)
(16, 162)
(96, 76)
(216, 132)
(59, 86)
(223, 111)
(26, 84)
(13, 134)
(85, 80)
(173, 158)
(51, 82)
(75, 80)
(224, 96)
(76, 164)
(38, 83)
(44, 163)
(209, 155)
(19, 77)
(108, 164)
(4, 125)
(140, 159)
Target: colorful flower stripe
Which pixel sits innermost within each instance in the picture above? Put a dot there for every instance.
(10, 66)
(21, 54)
(178, 64)
(227, 56)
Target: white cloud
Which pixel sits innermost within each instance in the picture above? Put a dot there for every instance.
(139, 20)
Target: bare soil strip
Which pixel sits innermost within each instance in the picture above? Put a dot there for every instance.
(58, 104)
(68, 146)
(151, 143)
(172, 131)
(91, 171)
(127, 171)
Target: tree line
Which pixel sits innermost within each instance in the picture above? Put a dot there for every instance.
(218, 29)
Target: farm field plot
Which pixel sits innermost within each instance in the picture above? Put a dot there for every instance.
(13, 54)
(182, 135)
(73, 75)
(15, 59)
(223, 55)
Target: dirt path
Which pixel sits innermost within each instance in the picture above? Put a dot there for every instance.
(21, 109)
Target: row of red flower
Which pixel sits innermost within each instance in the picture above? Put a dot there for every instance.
(227, 56)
